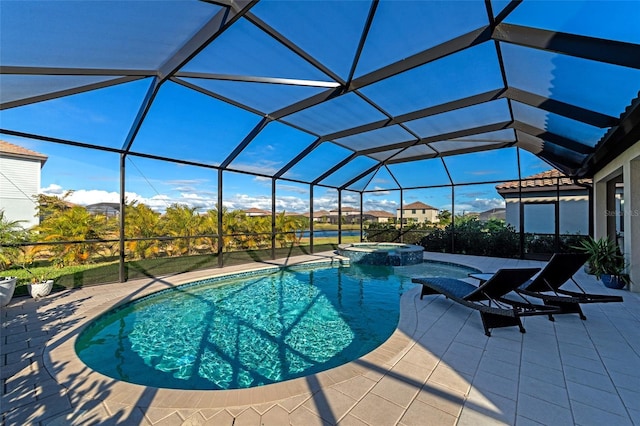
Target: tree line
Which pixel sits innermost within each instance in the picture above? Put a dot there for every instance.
(79, 236)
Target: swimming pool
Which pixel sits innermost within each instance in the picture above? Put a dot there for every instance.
(249, 330)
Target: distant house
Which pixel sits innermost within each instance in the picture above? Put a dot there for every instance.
(350, 215)
(540, 194)
(321, 216)
(379, 216)
(105, 209)
(418, 213)
(256, 212)
(20, 183)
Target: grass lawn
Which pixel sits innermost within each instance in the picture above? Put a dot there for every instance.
(108, 272)
(334, 227)
(330, 240)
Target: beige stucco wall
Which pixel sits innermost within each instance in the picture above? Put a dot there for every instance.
(627, 164)
(429, 215)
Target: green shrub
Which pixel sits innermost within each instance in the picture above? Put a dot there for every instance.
(471, 236)
(381, 233)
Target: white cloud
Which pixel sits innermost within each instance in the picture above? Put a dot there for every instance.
(205, 200)
(186, 182)
(293, 188)
(377, 204)
(85, 197)
(52, 189)
(245, 201)
(292, 204)
(349, 198)
(187, 196)
(479, 205)
(379, 192)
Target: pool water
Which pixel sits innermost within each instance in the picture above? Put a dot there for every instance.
(388, 254)
(252, 330)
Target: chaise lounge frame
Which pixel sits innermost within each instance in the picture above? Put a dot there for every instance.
(488, 298)
(560, 269)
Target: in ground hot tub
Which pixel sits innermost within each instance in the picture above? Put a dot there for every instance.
(393, 254)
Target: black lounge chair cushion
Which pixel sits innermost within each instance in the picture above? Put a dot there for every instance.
(560, 268)
(452, 286)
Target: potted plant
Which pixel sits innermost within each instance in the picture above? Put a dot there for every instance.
(606, 261)
(7, 287)
(41, 285)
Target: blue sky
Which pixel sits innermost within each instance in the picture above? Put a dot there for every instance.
(172, 129)
(191, 126)
(94, 177)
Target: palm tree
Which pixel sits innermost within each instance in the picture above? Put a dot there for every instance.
(71, 224)
(259, 232)
(233, 222)
(289, 228)
(11, 232)
(49, 205)
(182, 221)
(141, 222)
(444, 218)
(209, 226)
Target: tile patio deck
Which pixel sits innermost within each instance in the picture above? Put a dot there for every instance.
(437, 368)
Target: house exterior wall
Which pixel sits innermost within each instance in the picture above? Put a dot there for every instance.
(574, 212)
(348, 216)
(420, 215)
(512, 211)
(627, 163)
(574, 215)
(20, 182)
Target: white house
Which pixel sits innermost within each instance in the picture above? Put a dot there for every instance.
(542, 194)
(254, 211)
(418, 212)
(19, 183)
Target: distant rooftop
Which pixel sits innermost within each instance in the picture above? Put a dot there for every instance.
(253, 211)
(346, 209)
(417, 206)
(18, 151)
(379, 213)
(318, 213)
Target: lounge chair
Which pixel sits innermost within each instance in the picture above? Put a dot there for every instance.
(488, 298)
(559, 270)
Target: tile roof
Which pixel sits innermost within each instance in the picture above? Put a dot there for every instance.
(318, 213)
(418, 206)
(347, 209)
(256, 211)
(547, 178)
(18, 151)
(379, 213)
